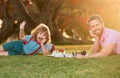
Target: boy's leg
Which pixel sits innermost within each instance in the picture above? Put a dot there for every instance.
(13, 48)
(1, 49)
(4, 53)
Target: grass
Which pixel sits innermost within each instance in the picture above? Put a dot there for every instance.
(39, 66)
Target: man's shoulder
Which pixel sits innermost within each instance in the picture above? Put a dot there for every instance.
(111, 31)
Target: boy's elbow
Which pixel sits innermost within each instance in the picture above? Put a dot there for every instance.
(46, 53)
(21, 37)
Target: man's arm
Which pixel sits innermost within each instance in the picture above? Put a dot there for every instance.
(96, 46)
(107, 50)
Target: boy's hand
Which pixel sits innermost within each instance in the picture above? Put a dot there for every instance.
(22, 25)
(43, 40)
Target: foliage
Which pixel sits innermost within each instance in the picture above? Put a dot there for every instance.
(77, 12)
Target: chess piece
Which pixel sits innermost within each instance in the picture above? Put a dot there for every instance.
(83, 52)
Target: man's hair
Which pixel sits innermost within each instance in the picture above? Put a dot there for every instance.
(41, 28)
(94, 17)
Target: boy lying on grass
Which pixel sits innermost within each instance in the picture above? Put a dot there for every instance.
(37, 42)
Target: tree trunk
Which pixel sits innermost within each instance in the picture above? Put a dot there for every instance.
(8, 22)
(23, 14)
(48, 15)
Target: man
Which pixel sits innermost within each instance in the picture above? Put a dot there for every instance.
(107, 41)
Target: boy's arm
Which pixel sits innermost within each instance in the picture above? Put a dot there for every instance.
(21, 33)
(44, 50)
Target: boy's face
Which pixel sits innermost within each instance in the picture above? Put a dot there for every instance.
(96, 27)
(41, 36)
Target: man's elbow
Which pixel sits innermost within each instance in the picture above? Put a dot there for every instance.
(100, 54)
(105, 54)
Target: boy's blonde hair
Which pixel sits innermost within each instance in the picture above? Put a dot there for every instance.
(42, 28)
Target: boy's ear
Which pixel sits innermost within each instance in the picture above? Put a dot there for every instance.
(46, 41)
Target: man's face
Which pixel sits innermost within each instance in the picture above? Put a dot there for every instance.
(96, 27)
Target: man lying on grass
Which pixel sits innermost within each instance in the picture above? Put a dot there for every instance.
(107, 41)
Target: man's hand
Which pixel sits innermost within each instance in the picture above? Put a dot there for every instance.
(80, 56)
(22, 25)
(92, 34)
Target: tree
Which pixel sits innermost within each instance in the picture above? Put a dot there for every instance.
(15, 11)
(9, 16)
(48, 13)
(73, 17)
(49, 10)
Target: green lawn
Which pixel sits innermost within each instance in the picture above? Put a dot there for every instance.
(39, 66)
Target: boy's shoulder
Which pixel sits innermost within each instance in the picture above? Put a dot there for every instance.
(27, 37)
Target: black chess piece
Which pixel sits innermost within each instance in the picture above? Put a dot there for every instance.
(74, 53)
(83, 52)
